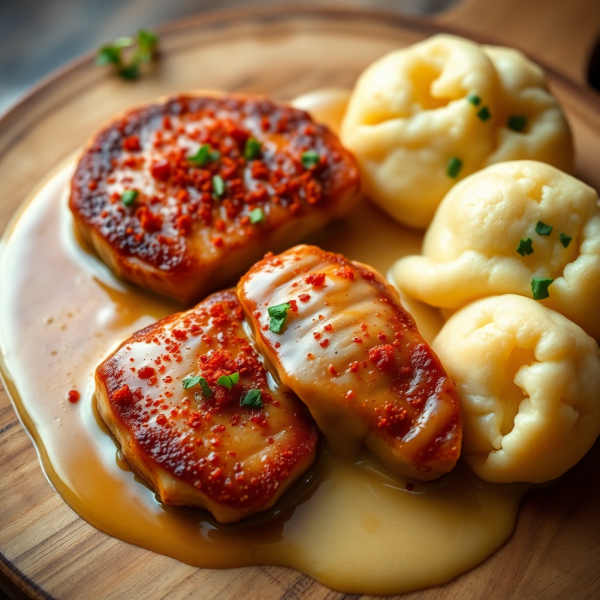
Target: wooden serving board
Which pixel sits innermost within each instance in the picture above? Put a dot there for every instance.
(46, 550)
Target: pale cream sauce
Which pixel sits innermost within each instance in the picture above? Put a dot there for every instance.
(354, 527)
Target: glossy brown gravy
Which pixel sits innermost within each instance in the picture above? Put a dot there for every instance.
(354, 527)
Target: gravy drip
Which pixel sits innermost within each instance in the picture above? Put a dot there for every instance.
(352, 526)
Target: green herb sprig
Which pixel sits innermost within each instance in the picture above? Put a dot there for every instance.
(142, 51)
(539, 287)
(252, 399)
(204, 155)
(190, 382)
(278, 315)
(228, 381)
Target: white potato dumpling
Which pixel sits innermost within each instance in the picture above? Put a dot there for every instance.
(421, 118)
(470, 251)
(528, 381)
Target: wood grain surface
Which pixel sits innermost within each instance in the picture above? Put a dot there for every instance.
(46, 550)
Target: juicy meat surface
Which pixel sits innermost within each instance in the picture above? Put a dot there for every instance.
(182, 196)
(199, 446)
(355, 357)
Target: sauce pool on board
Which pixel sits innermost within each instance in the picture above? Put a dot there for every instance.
(352, 526)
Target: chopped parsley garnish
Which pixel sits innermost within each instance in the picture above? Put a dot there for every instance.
(190, 382)
(257, 215)
(565, 239)
(252, 399)
(484, 113)
(310, 159)
(228, 381)
(218, 186)
(141, 50)
(252, 149)
(524, 248)
(454, 167)
(517, 123)
(128, 197)
(539, 287)
(474, 99)
(278, 315)
(204, 155)
(543, 229)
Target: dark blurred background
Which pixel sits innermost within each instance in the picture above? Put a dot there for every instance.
(38, 36)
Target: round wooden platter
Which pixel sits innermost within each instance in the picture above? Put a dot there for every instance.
(47, 551)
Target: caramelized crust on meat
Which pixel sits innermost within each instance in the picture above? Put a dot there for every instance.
(197, 447)
(182, 236)
(355, 358)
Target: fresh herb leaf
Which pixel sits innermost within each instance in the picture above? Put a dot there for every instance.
(474, 99)
(204, 155)
(252, 399)
(256, 216)
(128, 197)
(252, 149)
(543, 229)
(517, 123)
(539, 287)
(142, 52)
(524, 248)
(108, 55)
(454, 167)
(218, 186)
(565, 239)
(190, 382)
(278, 315)
(310, 159)
(228, 381)
(484, 113)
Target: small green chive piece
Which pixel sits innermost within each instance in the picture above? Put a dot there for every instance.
(539, 287)
(517, 123)
(256, 216)
(310, 159)
(474, 99)
(484, 113)
(204, 155)
(190, 382)
(454, 167)
(252, 399)
(218, 186)
(524, 248)
(228, 381)
(128, 197)
(543, 229)
(565, 239)
(129, 72)
(278, 315)
(252, 149)
(108, 55)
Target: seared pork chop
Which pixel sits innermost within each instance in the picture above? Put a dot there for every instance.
(183, 196)
(337, 335)
(198, 416)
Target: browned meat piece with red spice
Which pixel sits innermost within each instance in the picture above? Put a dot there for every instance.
(229, 443)
(355, 358)
(183, 196)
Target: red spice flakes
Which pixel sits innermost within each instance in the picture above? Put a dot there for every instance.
(350, 394)
(333, 371)
(382, 335)
(357, 340)
(161, 419)
(315, 279)
(92, 185)
(123, 395)
(216, 473)
(146, 372)
(277, 345)
(354, 367)
(345, 272)
(324, 343)
(328, 327)
(382, 356)
(180, 334)
(304, 297)
(316, 335)
(218, 241)
(132, 143)
(310, 356)
(73, 396)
